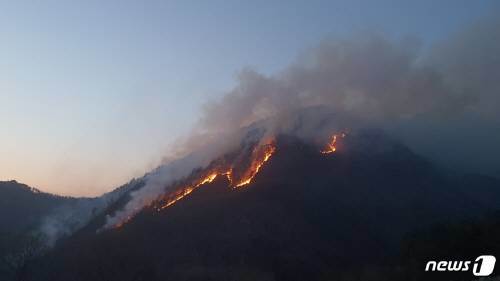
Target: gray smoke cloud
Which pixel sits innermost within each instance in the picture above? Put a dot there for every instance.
(72, 216)
(156, 183)
(196, 151)
(421, 95)
(370, 77)
(441, 99)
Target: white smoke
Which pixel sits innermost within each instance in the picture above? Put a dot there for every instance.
(72, 216)
(369, 78)
(202, 150)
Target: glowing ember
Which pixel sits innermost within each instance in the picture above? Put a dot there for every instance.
(331, 146)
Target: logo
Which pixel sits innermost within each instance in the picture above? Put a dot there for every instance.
(481, 266)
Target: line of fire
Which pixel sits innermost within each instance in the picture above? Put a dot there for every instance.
(260, 154)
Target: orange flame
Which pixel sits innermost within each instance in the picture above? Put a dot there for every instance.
(229, 175)
(331, 146)
(185, 191)
(260, 155)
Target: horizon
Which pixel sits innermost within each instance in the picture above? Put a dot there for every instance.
(96, 94)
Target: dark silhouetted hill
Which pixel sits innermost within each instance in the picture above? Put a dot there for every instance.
(362, 213)
(21, 210)
(22, 206)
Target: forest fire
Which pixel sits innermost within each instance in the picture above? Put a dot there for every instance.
(331, 146)
(260, 155)
(173, 197)
(120, 224)
(178, 195)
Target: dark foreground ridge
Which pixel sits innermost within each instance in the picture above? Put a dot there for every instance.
(373, 210)
(21, 209)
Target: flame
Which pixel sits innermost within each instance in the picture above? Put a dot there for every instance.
(178, 195)
(229, 175)
(172, 198)
(331, 146)
(260, 155)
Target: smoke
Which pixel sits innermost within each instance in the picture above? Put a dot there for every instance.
(369, 77)
(68, 218)
(441, 99)
(197, 151)
(365, 79)
(156, 182)
(470, 61)
(77, 212)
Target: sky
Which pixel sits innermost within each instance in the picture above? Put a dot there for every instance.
(93, 93)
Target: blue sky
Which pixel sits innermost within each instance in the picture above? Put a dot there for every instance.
(93, 93)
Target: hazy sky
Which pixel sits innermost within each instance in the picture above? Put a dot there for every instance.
(93, 92)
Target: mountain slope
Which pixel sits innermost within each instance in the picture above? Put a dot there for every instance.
(22, 206)
(21, 211)
(31, 220)
(305, 216)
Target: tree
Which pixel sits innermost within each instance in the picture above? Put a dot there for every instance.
(17, 262)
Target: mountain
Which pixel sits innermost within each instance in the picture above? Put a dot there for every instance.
(21, 211)
(18, 200)
(31, 221)
(359, 210)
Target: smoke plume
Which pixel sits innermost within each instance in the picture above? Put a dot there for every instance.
(397, 85)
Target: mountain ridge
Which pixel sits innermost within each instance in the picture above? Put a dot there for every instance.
(306, 215)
